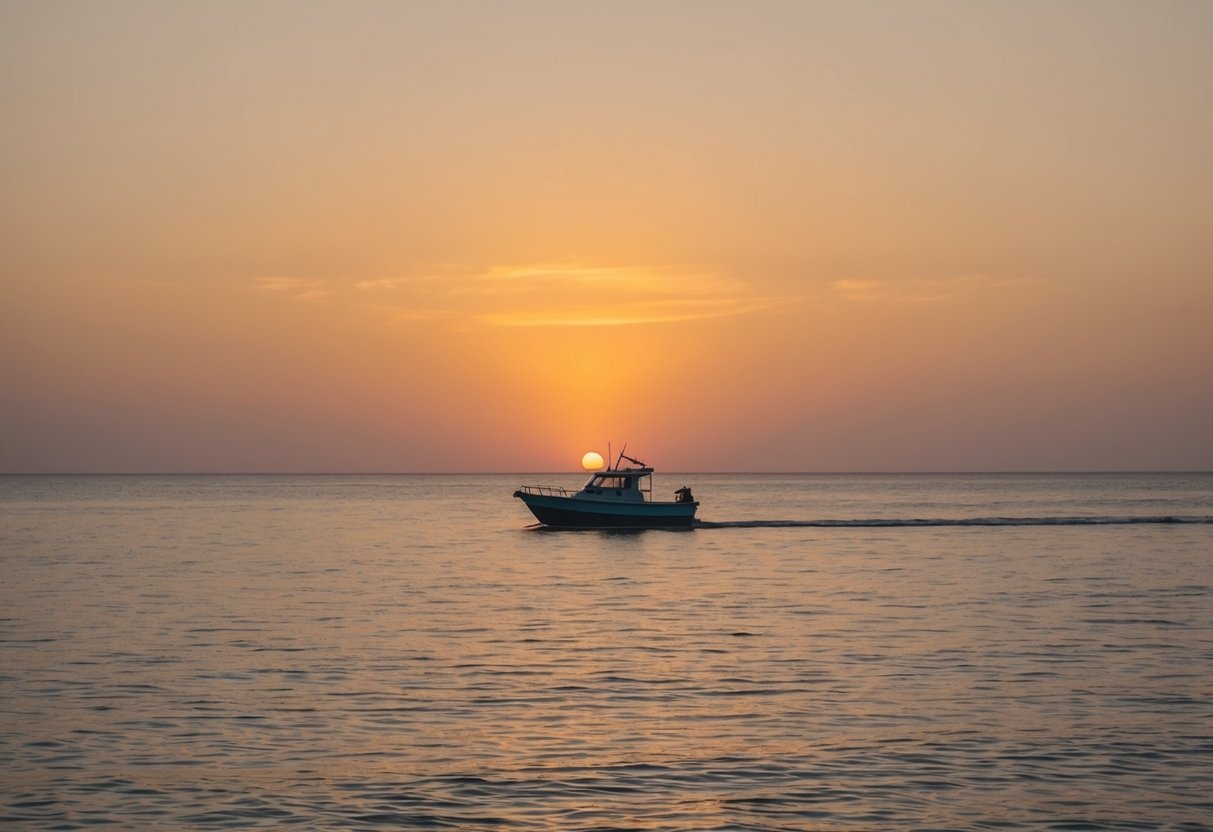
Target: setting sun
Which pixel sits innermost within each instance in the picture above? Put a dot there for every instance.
(592, 461)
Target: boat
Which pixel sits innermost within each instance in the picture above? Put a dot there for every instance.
(617, 497)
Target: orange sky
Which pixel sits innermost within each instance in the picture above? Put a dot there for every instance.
(490, 236)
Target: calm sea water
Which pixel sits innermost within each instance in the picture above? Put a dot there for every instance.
(403, 651)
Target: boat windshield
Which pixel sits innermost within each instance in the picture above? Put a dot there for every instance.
(611, 482)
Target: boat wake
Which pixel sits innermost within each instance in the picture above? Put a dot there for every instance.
(885, 523)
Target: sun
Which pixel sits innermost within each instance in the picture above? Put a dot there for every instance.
(592, 461)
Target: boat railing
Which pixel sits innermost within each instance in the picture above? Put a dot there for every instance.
(546, 490)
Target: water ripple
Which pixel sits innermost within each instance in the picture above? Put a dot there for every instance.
(335, 656)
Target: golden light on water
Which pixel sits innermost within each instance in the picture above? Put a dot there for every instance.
(592, 461)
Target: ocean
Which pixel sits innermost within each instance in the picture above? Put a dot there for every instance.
(825, 652)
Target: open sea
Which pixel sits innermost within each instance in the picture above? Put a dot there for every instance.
(824, 652)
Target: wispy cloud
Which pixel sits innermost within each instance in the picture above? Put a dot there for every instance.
(579, 294)
(919, 290)
(400, 282)
(861, 289)
(621, 315)
(295, 287)
(570, 295)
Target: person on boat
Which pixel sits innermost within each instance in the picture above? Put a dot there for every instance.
(683, 495)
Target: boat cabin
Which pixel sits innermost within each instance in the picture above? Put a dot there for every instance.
(633, 484)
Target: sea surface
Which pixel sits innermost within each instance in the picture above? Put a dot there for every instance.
(823, 653)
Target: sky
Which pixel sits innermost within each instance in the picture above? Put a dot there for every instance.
(490, 236)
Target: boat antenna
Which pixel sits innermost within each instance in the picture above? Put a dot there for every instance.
(631, 459)
(621, 456)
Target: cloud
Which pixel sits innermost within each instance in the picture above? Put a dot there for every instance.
(921, 290)
(861, 289)
(297, 288)
(397, 283)
(570, 295)
(577, 294)
(627, 314)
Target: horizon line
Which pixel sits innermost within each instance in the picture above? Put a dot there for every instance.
(873, 472)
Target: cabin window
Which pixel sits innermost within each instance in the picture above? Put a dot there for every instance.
(612, 482)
